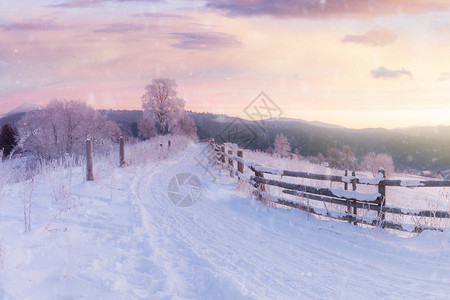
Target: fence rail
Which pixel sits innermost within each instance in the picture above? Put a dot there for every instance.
(354, 203)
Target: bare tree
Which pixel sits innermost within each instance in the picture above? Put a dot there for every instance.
(181, 123)
(282, 146)
(62, 127)
(160, 102)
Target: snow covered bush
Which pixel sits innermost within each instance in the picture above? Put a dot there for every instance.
(343, 158)
(146, 129)
(10, 171)
(373, 162)
(62, 127)
(156, 148)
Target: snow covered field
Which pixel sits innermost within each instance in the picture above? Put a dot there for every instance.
(121, 237)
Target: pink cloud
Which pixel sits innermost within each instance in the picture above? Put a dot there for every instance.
(326, 8)
(92, 3)
(32, 25)
(120, 28)
(205, 40)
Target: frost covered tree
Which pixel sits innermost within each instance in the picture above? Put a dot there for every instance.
(161, 103)
(281, 146)
(8, 139)
(373, 162)
(181, 123)
(62, 127)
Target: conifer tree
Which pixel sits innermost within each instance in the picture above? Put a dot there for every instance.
(7, 139)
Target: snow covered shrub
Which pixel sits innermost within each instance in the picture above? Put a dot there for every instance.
(281, 146)
(433, 221)
(104, 165)
(10, 171)
(156, 148)
(343, 158)
(245, 187)
(373, 162)
(146, 129)
(27, 202)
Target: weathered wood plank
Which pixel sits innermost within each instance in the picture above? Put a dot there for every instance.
(370, 206)
(307, 189)
(416, 183)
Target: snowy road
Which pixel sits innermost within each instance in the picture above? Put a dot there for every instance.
(230, 247)
(125, 239)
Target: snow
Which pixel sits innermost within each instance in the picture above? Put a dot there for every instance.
(269, 170)
(355, 195)
(411, 183)
(348, 179)
(120, 237)
(374, 181)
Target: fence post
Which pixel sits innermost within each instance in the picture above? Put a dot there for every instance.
(261, 187)
(349, 202)
(345, 183)
(89, 161)
(121, 151)
(355, 210)
(231, 162)
(222, 149)
(382, 192)
(240, 165)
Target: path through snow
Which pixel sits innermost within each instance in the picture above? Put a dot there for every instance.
(125, 239)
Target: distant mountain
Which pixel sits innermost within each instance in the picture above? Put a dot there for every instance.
(26, 107)
(314, 123)
(127, 120)
(17, 113)
(427, 132)
(13, 119)
(421, 148)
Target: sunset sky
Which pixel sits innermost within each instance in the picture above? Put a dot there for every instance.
(355, 63)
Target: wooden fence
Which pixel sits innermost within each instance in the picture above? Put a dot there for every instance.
(345, 203)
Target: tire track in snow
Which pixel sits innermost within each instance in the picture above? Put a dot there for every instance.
(254, 267)
(211, 238)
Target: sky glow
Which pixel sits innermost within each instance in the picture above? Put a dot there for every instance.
(353, 63)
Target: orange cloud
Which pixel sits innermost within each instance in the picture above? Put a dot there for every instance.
(383, 72)
(376, 37)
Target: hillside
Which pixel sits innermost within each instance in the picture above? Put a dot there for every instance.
(123, 237)
(422, 152)
(421, 148)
